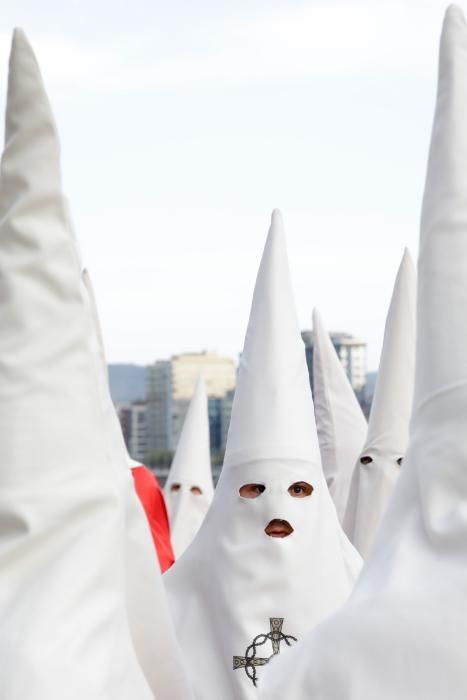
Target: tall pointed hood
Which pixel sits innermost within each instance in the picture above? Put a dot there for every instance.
(272, 414)
(341, 425)
(189, 488)
(234, 573)
(191, 463)
(378, 466)
(388, 427)
(402, 629)
(64, 630)
(149, 618)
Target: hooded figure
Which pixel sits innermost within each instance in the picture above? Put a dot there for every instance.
(379, 464)
(150, 623)
(403, 634)
(189, 488)
(270, 559)
(64, 630)
(340, 422)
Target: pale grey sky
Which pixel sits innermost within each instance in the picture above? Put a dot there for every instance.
(183, 124)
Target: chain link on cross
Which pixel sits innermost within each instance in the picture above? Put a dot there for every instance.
(250, 661)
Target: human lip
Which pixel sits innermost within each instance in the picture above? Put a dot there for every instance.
(278, 528)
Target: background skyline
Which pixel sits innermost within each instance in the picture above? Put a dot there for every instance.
(183, 126)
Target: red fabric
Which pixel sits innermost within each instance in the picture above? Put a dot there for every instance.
(152, 498)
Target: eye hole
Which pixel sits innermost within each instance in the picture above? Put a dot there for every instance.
(300, 489)
(196, 490)
(251, 490)
(399, 461)
(366, 459)
(175, 487)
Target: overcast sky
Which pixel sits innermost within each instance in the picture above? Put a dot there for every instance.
(184, 123)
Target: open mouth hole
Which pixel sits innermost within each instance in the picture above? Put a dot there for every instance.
(278, 528)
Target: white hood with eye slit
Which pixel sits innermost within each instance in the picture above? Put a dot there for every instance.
(388, 429)
(234, 582)
(403, 632)
(191, 467)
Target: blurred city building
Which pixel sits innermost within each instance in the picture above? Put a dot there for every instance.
(151, 426)
(352, 354)
(169, 387)
(133, 420)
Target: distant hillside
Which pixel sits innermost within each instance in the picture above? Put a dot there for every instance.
(126, 382)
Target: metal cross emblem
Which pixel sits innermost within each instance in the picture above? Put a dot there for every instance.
(250, 661)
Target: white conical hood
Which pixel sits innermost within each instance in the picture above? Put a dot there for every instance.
(402, 634)
(388, 428)
(149, 618)
(272, 413)
(191, 469)
(63, 621)
(234, 582)
(341, 425)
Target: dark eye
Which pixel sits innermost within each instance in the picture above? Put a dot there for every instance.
(196, 490)
(399, 461)
(175, 487)
(251, 490)
(300, 489)
(366, 459)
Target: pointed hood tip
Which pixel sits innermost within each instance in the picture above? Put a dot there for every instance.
(407, 256)
(19, 39)
(454, 12)
(276, 216)
(276, 230)
(23, 61)
(407, 262)
(454, 22)
(316, 316)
